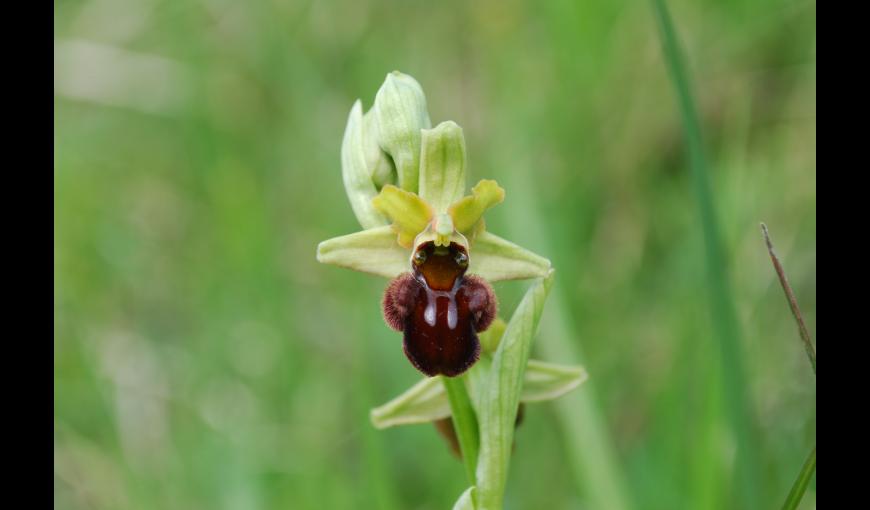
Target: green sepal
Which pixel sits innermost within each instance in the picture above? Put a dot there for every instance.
(371, 251)
(497, 259)
(442, 165)
(357, 179)
(400, 107)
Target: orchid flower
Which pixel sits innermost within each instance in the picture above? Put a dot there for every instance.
(406, 183)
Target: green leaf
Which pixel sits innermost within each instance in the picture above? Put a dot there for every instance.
(371, 251)
(400, 107)
(424, 402)
(442, 165)
(355, 174)
(500, 396)
(546, 381)
(469, 210)
(476, 380)
(496, 259)
(409, 213)
(466, 500)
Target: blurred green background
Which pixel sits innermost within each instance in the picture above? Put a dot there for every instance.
(204, 360)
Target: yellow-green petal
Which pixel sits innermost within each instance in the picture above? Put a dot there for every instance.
(409, 213)
(469, 210)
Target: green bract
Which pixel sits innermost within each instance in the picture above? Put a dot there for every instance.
(466, 500)
(406, 183)
(427, 401)
(500, 395)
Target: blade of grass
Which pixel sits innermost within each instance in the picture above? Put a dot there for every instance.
(803, 481)
(465, 423)
(792, 300)
(722, 309)
(589, 445)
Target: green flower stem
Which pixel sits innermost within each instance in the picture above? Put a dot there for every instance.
(465, 423)
(802, 482)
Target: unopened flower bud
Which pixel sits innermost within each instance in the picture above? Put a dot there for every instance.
(400, 110)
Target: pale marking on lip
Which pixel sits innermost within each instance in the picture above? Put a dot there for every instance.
(432, 296)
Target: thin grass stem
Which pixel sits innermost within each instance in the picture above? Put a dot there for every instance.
(801, 483)
(792, 301)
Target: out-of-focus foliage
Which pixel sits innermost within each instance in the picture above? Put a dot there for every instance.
(203, 359)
